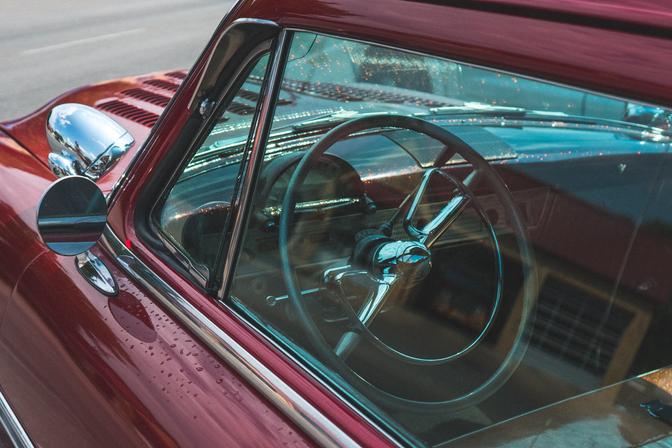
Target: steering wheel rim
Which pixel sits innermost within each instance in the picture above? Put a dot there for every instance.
(529, 285)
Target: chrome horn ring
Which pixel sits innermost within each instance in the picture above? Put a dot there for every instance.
(453, 145)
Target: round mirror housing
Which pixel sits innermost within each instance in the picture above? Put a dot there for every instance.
(84, 141)
(71, 215)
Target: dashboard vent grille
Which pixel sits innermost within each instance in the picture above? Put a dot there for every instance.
(147, 96)
(568, 322)
(129, 112)
(162, 84)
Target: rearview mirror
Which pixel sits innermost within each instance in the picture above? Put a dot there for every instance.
(71, 215)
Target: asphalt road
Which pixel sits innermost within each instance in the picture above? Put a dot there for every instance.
(48, 47)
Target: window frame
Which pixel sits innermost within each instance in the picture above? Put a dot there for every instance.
(312, 366)
(220, 90)
(206, 278)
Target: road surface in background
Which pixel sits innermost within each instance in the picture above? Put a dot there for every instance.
(48, 47)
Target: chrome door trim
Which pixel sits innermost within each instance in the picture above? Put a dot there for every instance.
(12, 425)
(287, 400)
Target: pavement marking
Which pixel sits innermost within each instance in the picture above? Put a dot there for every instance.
(86, 40)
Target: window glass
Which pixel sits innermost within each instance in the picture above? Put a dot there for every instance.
(196, 208)
(475, 255)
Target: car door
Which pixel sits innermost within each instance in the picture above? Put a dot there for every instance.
(92, 358)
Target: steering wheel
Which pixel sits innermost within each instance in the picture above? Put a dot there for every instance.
(389, 264)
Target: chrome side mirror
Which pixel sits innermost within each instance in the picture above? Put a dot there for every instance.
(84, 141)
(71, 215)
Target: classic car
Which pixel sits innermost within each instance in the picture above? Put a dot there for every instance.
(381, 223)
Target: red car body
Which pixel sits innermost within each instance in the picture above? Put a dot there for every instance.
(79, 369)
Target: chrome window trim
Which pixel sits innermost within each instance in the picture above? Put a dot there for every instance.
(13, 426)
(243, 201)
(267, 383)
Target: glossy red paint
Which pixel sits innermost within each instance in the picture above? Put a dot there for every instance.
(655, 16)
(106, 372)
(99, 371)
(80, 366)
(99, 354)
(23, 180)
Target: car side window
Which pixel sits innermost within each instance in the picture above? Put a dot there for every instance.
(448, 245)
(193, 215)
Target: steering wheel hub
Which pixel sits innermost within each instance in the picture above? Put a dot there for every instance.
(410, 260)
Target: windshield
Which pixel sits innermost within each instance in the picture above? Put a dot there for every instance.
(317, 94)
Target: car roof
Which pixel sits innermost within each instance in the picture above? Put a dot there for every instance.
(635, 13)
(607, 47)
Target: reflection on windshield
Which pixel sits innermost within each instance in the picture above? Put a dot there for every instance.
(317, 94)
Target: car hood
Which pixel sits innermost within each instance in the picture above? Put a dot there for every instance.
(134, 102)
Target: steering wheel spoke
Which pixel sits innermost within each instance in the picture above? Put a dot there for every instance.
(435, 228)
(371, 307)
(374, 302)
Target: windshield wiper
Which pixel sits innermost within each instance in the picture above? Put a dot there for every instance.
(540, 116)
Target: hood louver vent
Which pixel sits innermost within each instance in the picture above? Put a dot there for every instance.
(254, 97)
(162, 84)
(240, 109)
(177, 74)
(248, 95)
(147, 96)
(129, 112)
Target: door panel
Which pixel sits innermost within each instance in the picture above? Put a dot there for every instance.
(83, 369)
